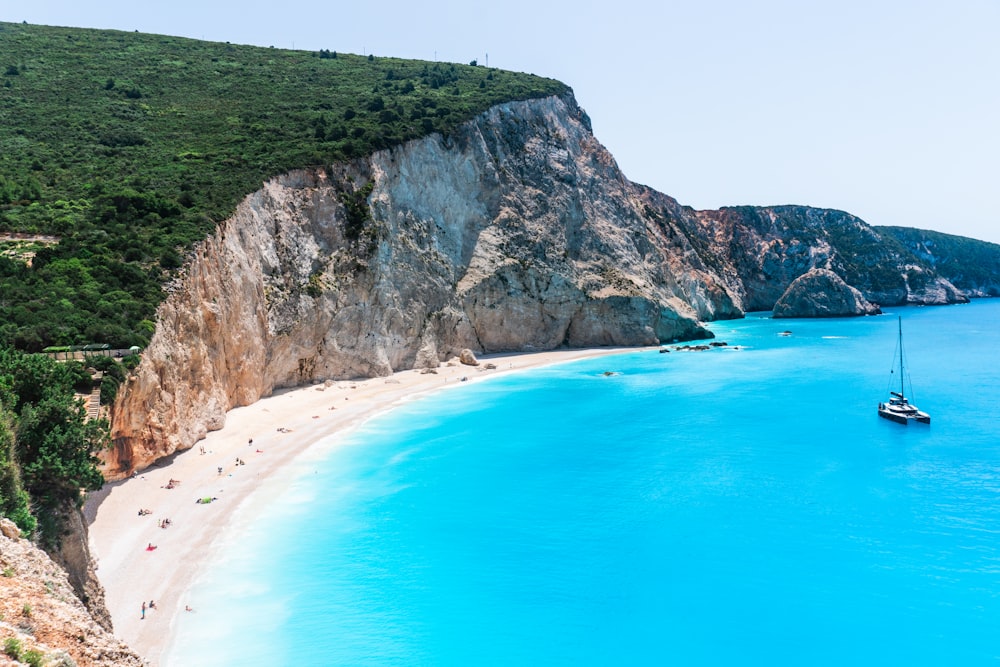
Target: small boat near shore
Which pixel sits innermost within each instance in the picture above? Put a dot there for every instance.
(898, 408)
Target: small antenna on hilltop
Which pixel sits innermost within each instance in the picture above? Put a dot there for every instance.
(487, 60)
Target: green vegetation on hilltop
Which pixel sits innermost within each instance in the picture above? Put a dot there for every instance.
(130, 147)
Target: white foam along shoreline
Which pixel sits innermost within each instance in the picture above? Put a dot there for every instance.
(266, 437)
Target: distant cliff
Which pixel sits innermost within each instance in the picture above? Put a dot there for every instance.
(761, 250)
(972, 266)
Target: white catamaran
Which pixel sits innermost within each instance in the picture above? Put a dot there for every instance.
(899, 409)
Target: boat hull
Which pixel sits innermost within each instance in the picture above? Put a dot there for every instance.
(903, 416)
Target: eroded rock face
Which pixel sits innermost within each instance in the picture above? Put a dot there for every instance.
(822, 293)
(516, 233)
(73, 554)
(39, 610)
(759, 251)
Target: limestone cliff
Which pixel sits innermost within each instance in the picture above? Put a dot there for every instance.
(972, 266)
(822, 293)
(517, 232)
(41, 617)
(761, 250)
(73, 555)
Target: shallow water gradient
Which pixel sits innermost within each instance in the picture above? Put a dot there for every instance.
(734, 506)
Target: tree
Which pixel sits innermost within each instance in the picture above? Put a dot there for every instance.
(54, 445)
(14, 500)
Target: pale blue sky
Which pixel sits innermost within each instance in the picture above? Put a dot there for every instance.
(888, 110)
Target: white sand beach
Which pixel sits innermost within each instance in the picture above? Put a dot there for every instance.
(281, 427)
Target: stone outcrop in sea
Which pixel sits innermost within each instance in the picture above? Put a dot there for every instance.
(822, 293)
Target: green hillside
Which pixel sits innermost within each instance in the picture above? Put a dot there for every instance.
(119, 150)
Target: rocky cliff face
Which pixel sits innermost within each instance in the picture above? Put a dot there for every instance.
(41, 616)
(972, 266)
(763, 249)
(73, 555)
(518, 232)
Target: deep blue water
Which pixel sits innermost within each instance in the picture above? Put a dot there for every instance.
(735, 506)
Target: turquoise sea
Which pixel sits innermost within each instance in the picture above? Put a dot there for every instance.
(738, 506)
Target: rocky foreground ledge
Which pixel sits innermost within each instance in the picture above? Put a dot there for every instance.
(41, 620)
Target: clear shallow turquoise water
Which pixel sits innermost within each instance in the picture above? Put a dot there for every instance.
(723, 507)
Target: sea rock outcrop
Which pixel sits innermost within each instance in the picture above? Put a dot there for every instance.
(822, 293)
(40, 615)
(517, 232)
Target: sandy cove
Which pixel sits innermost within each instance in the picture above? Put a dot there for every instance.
(281, 427)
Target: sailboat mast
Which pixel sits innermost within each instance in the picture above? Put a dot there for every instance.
(901, 389)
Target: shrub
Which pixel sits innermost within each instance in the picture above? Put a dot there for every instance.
(12, 647)
(170, 259)
(33, 657)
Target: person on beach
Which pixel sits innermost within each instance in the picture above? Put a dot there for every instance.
(143, 610)
(150, 547)
(152, 605)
